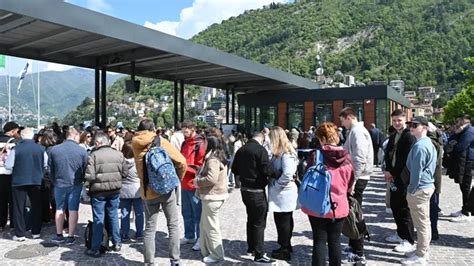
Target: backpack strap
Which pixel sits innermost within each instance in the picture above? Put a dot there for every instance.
(156, 142)
(320, 159)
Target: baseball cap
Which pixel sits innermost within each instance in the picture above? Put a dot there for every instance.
(419, 120)
(10, 126)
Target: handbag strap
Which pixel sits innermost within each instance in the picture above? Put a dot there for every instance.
(6, 145)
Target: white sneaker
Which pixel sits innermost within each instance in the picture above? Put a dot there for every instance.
(388, 210)
(19, 239)
(427, 255)
(36, 236)
(393, 238)
(461, 219)
(196, 246)
(405, 247)
(209, 259)
(184, 241)
(456, 214)
(414, 260)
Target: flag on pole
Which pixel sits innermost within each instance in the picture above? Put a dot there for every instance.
(22, 77)
(2, 61)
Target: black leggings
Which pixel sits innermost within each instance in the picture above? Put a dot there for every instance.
(326, 231)
(284, 224)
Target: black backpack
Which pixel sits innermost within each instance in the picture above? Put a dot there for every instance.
(104, 247)
(354, 226)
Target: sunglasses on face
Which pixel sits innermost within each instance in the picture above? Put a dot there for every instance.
(414, 125)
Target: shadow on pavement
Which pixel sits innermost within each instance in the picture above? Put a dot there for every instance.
(307, 234)
(454, 241)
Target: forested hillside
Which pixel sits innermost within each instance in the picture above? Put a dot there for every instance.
(61, 91)
(422, 42)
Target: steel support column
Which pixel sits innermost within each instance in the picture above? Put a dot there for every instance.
(227, 105)
(233, 105)
(181, 99)
(103, 98)
(97, 97)
(175, 103)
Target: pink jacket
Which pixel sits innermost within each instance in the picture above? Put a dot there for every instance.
(339, 164)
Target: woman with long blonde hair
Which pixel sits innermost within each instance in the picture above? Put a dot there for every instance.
(282, 191)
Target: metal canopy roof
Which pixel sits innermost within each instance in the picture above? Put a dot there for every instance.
(54, 31)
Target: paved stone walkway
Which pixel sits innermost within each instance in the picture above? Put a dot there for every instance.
(455, 247)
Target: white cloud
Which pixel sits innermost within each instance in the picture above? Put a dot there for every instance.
(204, 13)
(169, 27)
(97, 5)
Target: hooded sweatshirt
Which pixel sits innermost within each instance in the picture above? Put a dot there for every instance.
(339, 165)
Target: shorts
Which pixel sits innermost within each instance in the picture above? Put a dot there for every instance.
(69, 195)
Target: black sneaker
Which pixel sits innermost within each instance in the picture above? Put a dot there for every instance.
(58, 239)
(280, 248)
(281, 254)
(116, 247)
(70, 241)
(264, 259)
(93, 253)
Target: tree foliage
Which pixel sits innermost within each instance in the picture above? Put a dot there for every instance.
(463, 102)
(150, 89)
(422, 42)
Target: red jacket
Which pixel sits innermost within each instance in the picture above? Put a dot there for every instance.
(339, 164)
(194, 150)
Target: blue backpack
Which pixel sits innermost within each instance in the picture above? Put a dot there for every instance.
(159, 172)
(315, 189)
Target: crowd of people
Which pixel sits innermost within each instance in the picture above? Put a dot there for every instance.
(45, 176)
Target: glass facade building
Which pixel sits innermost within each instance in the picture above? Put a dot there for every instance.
(305, 108)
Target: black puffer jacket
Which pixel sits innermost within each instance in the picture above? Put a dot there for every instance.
(105, 170)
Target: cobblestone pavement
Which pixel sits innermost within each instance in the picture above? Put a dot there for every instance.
(455, 247)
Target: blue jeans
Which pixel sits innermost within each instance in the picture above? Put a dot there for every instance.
(126, 209)
(191, 211)
(99, 206)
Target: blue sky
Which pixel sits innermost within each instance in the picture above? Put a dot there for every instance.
(182, 18)
(137, 11)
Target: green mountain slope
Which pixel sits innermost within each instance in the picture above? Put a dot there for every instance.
(61, 91)
(422, 42)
